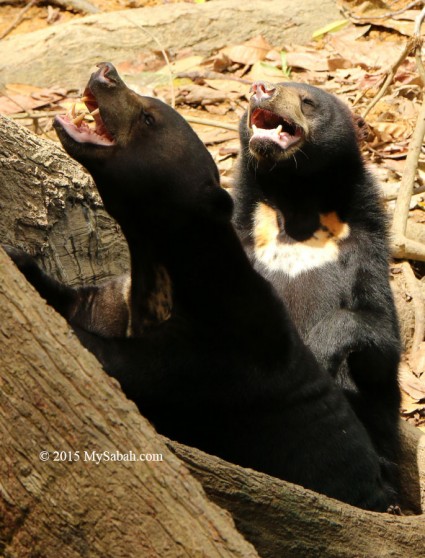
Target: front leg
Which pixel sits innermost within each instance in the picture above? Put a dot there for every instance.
(361, 350)
(62, 297)
(102, 309)
(369, 342)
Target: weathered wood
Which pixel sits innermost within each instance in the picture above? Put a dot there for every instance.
(122, 36)
(50, 207)
(54, 396)
(282, 519)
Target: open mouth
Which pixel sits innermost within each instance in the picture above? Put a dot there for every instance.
(269, 125)
(87, 127)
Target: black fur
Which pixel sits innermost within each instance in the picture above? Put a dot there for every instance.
(344, 310)
(227, 372)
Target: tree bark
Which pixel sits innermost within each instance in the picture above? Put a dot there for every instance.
(55, 397)
(282, 519)
(50, 208)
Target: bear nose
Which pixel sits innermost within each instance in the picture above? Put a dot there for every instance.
(107, 73)
(262, 90)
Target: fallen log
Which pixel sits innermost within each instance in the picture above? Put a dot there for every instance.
(56, 55)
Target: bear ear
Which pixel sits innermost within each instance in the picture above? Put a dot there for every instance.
(361, 127)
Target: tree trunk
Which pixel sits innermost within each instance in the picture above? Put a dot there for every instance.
(50, 208)
(48, 402)
(55, 398)
(124, 36)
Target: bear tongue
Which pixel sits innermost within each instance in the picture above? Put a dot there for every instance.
(284, 139)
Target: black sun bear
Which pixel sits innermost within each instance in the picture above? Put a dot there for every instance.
(310, 217)
(223, 369)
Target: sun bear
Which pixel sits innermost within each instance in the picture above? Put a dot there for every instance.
(224, 369)
(310, 217)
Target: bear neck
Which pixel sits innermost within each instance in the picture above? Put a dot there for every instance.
(300, 197)
(207, 268)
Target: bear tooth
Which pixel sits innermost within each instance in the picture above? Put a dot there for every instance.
(95, 112)
(254, 128)
(79, 119)
(278, 129)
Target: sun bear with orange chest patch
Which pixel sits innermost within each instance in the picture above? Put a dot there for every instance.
(225, 369)
(310, 217)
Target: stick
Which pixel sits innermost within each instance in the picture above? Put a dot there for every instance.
(403, 247)
(18, 19)
(213, 123)
(408, 48)
(366, 19)
(418, 305)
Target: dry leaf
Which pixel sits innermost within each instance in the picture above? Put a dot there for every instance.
(403, 23)
(22, 98)
(201, 95)
(307, 60)
(392, 131)
(261, 71)
(417, 361)
(248, 53)
(214, 136)
(228, 85)
(410, 384)
(183, 65)
(338, 63)
(369, 54)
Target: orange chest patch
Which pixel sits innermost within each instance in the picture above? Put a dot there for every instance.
(293, 257)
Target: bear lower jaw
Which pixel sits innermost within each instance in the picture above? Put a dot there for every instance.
(82, 133)
(269, 149)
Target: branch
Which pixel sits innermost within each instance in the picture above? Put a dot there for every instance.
(418, 304)
(213, 123)
(403, 247)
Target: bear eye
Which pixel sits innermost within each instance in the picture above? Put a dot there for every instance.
(148, 119)
(308, 101)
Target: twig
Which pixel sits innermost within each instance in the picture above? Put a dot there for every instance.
(418, 305)
(408, 48)
(388, 15)
(403, 247)
(212, 75)
(418, 22)
(392, 197)
(35, 115)
(163, 52)
(214, 123)
(18, 19)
